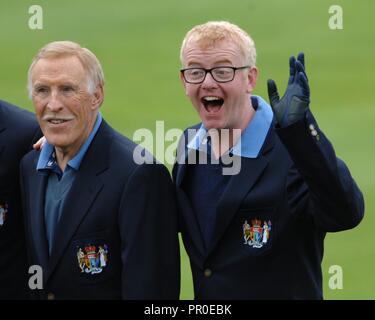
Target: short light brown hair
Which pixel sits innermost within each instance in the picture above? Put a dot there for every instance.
(207, 35)
(89, 61)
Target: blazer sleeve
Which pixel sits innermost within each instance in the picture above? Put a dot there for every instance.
(148, 228)
(37, 134)
(319, 185)
(23, 192)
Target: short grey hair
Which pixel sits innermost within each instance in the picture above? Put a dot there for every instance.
(90, 62)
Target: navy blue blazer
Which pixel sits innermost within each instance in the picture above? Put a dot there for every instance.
(117, 235)
(272, 219)
(18, 131)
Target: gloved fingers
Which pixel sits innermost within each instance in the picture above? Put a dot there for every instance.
(272, 92)
(301, 68)
(292, 69)
(301, 58)
(302, 81)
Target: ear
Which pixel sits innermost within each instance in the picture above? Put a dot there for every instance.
(183, 82)
(252, 77)
(97, 97)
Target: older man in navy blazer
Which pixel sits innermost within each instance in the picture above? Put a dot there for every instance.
(18, 130)
(257, 233)
(101, 224)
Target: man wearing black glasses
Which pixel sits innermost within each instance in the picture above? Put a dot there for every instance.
(259, 233)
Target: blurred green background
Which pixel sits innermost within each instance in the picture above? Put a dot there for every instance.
(138, 42)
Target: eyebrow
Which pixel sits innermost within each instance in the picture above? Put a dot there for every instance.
(69, 84)
(47, 84)
(38, 85)
(220, 62)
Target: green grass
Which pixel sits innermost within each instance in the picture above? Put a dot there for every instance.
(138, 44)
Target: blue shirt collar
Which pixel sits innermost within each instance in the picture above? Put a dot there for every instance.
(47, 154)
(252, 138)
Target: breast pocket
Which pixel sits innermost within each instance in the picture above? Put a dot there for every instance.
(9, 222)
(92, 258)
(257, 230)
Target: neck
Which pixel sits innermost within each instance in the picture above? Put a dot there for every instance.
(63, 156)
(223, 139)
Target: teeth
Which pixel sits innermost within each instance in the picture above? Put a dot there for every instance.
(211, 98)
(55, 121)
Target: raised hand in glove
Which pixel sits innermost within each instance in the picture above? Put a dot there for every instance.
(294, 103)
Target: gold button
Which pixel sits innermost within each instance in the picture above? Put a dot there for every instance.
(311, 127)
(314, 133)
(50, 296)
(207, 273)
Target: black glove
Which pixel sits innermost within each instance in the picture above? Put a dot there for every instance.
(293, 105)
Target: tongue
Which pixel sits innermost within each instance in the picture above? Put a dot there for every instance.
(213, 108)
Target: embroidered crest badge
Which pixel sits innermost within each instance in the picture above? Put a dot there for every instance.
(92, 259)
(3, 213)
(257, 233)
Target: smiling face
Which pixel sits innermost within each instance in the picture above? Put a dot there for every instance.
(220, 105)
(65, 110)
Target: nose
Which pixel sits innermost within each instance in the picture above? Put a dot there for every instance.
(54, 104)
(209, 82)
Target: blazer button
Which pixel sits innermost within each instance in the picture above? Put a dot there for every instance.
(50, 296)
(207, 273)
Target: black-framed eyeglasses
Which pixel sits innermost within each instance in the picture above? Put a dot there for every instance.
(219, 74)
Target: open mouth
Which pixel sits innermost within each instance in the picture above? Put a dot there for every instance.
(212, 104)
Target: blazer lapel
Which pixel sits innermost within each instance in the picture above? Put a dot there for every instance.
(2, 127)
(238, 187)
(2, 140)
(190, 221)
(38, 230)
(181, 160)
(82, 194)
